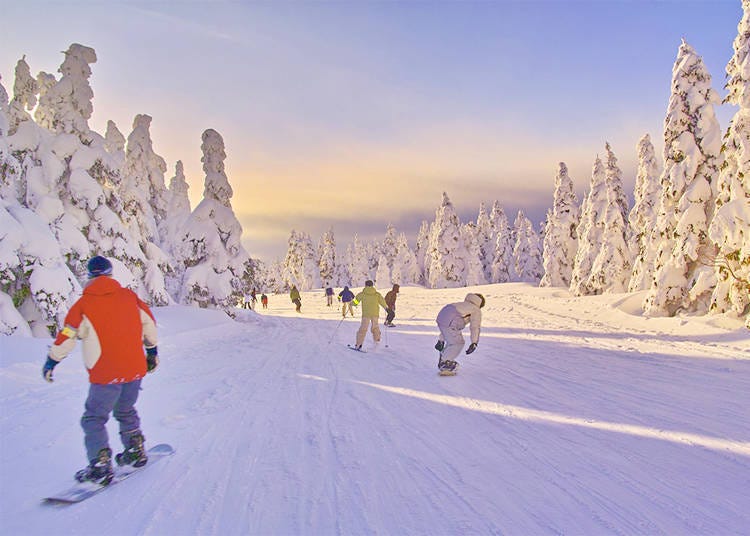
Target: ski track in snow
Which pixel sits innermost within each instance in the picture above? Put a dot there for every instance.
(571, 418)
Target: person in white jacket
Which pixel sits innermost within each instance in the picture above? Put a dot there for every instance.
(451, 320)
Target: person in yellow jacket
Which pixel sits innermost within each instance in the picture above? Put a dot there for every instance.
(371, 301)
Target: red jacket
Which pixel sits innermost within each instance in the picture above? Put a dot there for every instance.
(114, 324)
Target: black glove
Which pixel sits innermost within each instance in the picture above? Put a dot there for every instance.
(49, 365)
(471, 348)
(152, 359)
(439, 346)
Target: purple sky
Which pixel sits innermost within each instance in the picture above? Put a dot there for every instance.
(357, 114)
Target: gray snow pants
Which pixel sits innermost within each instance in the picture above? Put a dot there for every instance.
(116, 398)
(450, 322)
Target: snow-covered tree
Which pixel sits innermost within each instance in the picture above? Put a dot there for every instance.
(421, 249)
(560, 235)
(25, 91)
(486, 236)
(683, 275)
(474, 273)
(4, 109)
(613, 264)
(32, 269)
(358, 262)
(447, 252)
(642, 219)
(301, 268)
(327, 258)
(68, 102)
(504, 242)
(527, 252)
(730, 228)
(143, 190)
(389, 245)
(114, 144)
(405, 266)
(211, 248)
(590, 231)
(383, 272)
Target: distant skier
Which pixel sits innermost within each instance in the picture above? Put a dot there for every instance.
(296, 299)
(390, 301)
(329, 296)
(371, 301)
(451, 320)
(264, 300)
(253, 299)
(246, 302)
(346, 296)
(114, 324)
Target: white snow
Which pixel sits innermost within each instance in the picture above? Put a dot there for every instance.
(574, 416)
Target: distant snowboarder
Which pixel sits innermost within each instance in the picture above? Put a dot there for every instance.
(371, 301)
(451, 320)
(390, 301)
(296, 299)
(114, 324)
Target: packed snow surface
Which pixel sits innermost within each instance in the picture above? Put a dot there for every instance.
(574, 416)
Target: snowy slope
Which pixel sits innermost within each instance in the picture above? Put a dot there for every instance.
(574, 416)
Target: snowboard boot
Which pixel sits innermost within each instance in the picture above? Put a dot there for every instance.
(135, 453)
(99, 471)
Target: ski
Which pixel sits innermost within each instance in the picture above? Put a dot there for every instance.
(356, 349)
(80, 491)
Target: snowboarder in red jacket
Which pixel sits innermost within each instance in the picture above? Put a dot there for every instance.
(113, 324)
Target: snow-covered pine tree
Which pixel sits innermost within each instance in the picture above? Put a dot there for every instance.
(421, 249)
(383, 272)
(143, 189)
(642, 218)
(405, 266)
(4, 109)
(327, 258)
(447, 252)
(503, 255)
(214, 257)
(486, 236)
(683, 272)
(32, 269)
(389, 246)
(273, 278)
(67, 103)
(473, 255)
(358, 261)
(730, 228)
(527, 253)
(613, 264)
(177, 214)
(114, 144)
(25, 91)
(590, 231)
(560, 238)
(44, 115)
(143, 195)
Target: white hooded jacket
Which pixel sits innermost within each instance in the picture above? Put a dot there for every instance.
(468, 311)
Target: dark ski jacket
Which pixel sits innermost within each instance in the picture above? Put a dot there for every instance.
(346, 295)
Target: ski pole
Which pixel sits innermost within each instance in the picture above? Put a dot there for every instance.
(386, 336)
(335, 330)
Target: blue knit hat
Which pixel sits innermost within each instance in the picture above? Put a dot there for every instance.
(99, 266)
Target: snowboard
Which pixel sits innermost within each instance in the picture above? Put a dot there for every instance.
(447, 372)
(80, 491)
